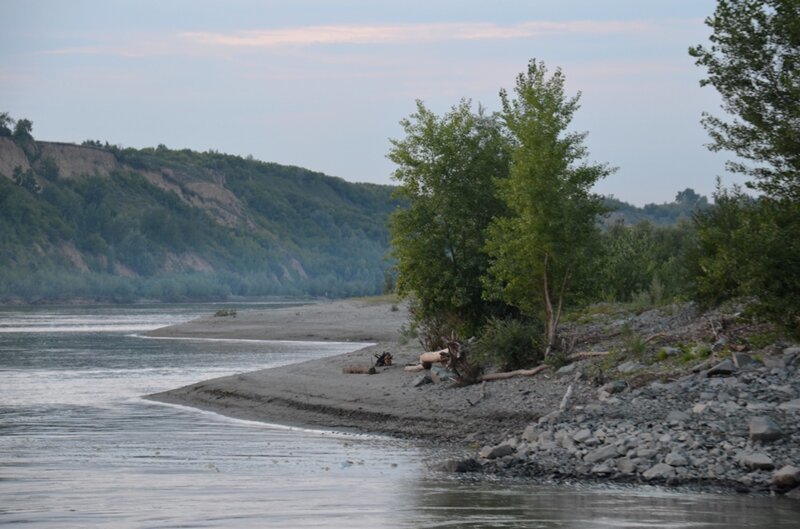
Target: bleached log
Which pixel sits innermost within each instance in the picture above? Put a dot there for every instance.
(414, 368)
(434, 357)
(588, 354)
(512, 374)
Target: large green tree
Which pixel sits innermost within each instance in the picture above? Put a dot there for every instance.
(753, 60)
(446, 167)
(540, 252)
(749, 247)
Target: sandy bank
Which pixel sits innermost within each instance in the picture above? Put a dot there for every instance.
(318, 394)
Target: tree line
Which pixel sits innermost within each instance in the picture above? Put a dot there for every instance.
(502, 232)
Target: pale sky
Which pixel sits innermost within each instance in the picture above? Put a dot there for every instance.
(322, 84)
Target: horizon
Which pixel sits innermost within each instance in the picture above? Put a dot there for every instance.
(324, 85)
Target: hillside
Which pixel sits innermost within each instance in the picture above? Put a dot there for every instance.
(101, 222)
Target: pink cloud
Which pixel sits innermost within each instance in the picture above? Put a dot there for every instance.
(410, 33)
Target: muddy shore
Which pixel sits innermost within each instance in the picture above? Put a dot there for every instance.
(708, 416)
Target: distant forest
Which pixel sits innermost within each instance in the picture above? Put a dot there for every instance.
(102, 222)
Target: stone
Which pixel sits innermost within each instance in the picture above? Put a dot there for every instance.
(582, 435)
(756, 461)
(791, 356)
(670, 351)
(742, 360)
(567, 369)
(646, 453)
(626, 466)
(629, 366)
(531, 432)
(787, 477)
(442, 374)
(421, 380)
(763, 428)
(602, 468)
(792, 405)
(617, 386)
(723, 369)
(659, 471)
(720, 344)
(677, 416)
(459, 466)
(676, 459)
(494, 452)
(700, 407)
(601, 454)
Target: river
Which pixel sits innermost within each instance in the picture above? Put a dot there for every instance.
(80, 448)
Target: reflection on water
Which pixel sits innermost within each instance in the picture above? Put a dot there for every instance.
(80, 448)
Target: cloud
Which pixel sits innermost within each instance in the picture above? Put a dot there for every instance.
(410, 33)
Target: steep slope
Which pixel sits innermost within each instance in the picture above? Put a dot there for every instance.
(103, 222)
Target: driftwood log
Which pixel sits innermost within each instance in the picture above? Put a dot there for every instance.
(414, 368)
(359, 370)
(512, 374)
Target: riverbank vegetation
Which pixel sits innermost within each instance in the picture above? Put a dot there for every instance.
(502, 233)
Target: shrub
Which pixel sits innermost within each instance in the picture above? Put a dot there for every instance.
(510, 344)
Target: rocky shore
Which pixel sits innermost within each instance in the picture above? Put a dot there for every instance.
(735, 426)
(680, 398)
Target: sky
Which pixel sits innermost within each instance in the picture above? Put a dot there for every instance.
(323, 84)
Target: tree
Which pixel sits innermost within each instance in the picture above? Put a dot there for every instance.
(754, 63)
(750, 247)
(6, 122)
(541, 251)
(446, 167)
(23, 129)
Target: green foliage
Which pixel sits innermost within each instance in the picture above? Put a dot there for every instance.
(295, 232)
(686, 203)
(23, 130)
(510, 344)
(754, 63)
(543, 250)
(446, 167)
(6, 124)
(645, 261)
(750, 248)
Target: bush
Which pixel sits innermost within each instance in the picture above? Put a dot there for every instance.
(510, 344)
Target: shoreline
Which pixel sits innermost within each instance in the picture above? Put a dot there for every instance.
(688, 431)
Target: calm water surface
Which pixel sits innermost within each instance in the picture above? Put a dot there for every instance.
(80, 448)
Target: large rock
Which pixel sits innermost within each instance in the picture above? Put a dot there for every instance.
(792, 405)
(763, 428)
(629, 366)
(617, 386)
(601, 454)
(494, 452)
(659, 471)
(787, 477)
(676, 459)
(723, 369)
(757, 462)
(581, 436)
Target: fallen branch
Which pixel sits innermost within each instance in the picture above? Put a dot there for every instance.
(653, 337)
(588, 354)
(414, 368)
(512, 374)
(359, 370)
(565, 400)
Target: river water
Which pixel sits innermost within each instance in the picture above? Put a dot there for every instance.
(80, 448)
